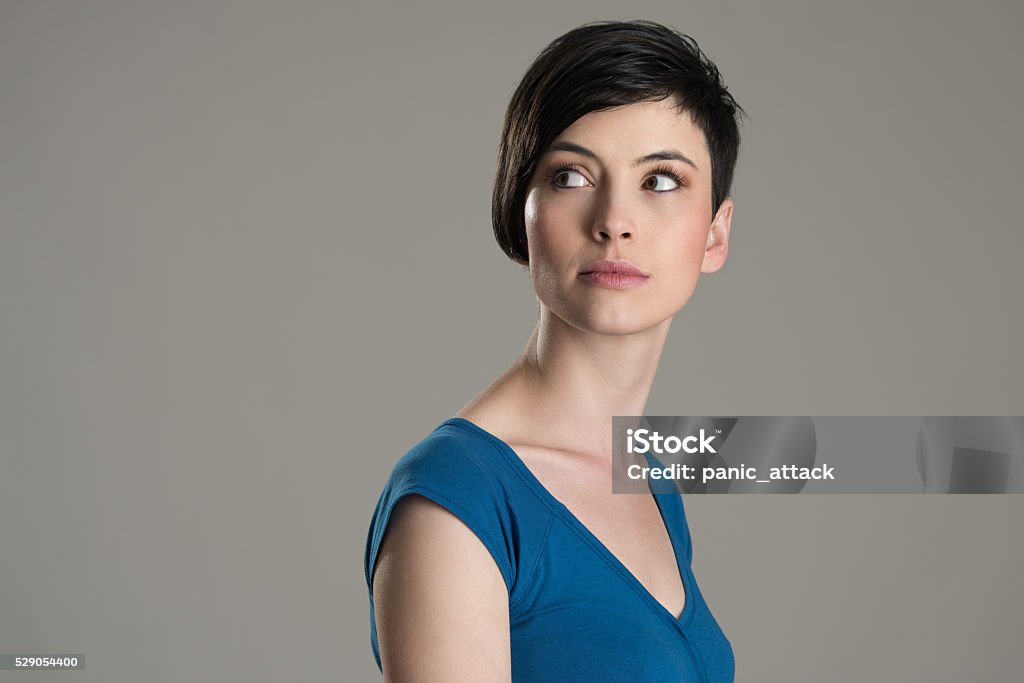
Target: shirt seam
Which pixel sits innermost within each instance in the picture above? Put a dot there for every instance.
(536, 563)
(416, 488)
(507, 459)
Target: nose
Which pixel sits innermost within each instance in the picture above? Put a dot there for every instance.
(613, 220)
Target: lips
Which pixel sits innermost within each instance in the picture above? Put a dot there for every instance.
(613, 274)
(607, 265)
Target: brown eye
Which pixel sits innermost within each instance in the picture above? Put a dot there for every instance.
(660, 182)
(567, 177)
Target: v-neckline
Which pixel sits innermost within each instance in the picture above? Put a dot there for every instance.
(588, 536)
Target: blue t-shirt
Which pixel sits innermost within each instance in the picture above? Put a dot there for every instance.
(575, 611)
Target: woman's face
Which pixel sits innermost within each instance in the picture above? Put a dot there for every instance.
(629, 186)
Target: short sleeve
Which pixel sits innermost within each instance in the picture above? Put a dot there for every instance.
(461, 476)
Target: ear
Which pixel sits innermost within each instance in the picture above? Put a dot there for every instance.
(718, 238)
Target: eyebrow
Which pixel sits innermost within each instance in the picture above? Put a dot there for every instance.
(662, 155)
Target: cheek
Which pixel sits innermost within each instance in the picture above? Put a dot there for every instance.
(688, 234)
(549, 229)
(693, 244)
(531, 211)
(542, 242)
(681, 252)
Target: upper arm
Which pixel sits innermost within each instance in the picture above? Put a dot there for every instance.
(440, 601)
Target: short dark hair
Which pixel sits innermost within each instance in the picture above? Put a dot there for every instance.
(599, 66)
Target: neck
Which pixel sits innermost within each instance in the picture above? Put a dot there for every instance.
(571, 382)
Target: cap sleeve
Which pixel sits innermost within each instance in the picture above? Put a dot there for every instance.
(462, 476)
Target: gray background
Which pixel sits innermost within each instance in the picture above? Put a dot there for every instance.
(246, 262)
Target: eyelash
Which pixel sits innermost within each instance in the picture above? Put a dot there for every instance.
(660, 170)
(667, 171)
(561, 168)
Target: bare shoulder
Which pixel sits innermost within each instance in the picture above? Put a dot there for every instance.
(440, 601)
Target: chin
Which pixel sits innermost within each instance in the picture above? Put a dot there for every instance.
(619, 322)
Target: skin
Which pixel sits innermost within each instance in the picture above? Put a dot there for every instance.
(440, 601)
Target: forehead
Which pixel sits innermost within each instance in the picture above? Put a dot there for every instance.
(630, 131)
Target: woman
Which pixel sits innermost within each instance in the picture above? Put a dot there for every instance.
(506, 554)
